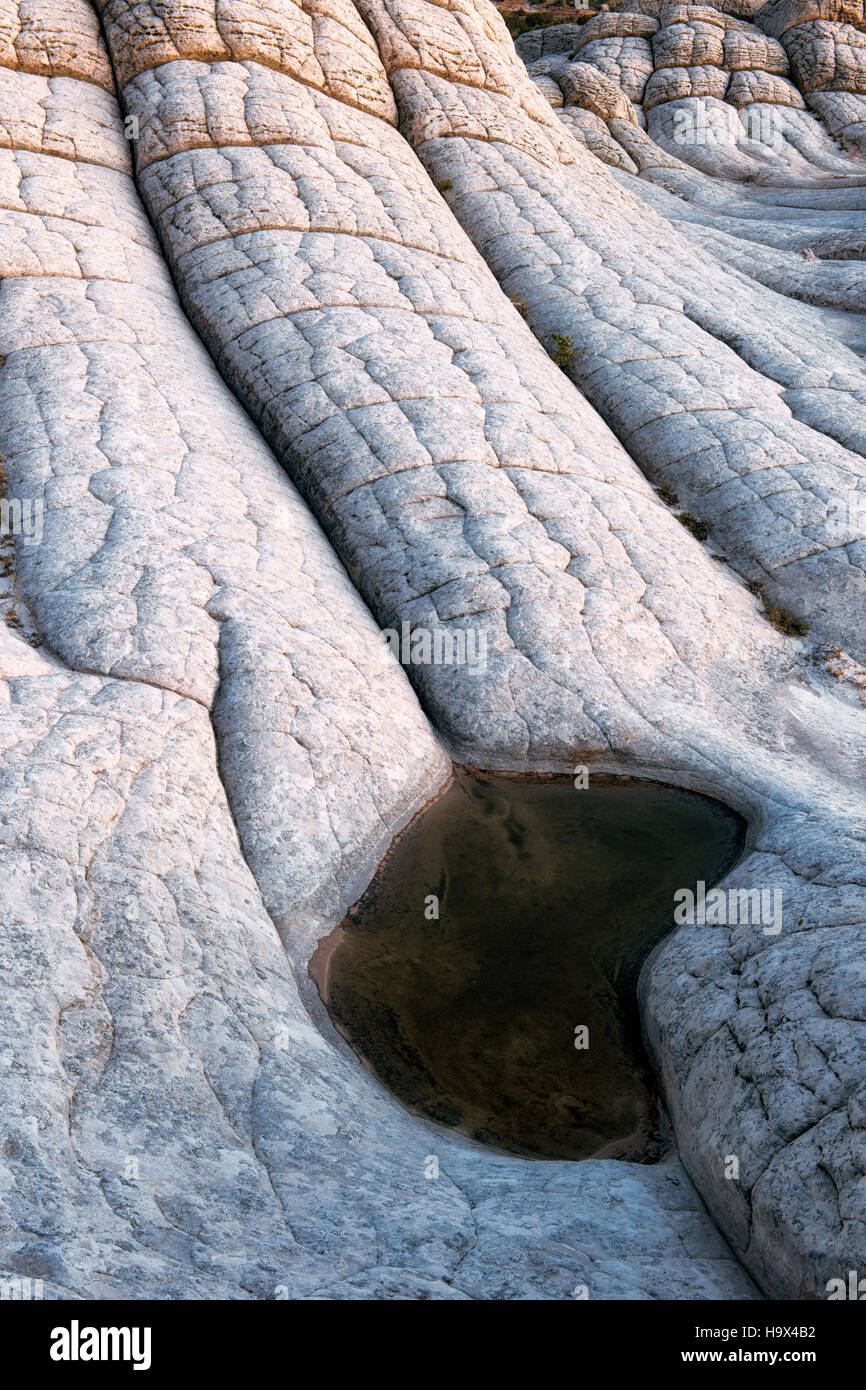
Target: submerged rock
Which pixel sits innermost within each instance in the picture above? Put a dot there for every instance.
(488, 974)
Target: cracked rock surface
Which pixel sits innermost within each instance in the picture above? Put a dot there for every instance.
(280, 289)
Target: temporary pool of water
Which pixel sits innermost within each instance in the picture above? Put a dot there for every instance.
(488, 975)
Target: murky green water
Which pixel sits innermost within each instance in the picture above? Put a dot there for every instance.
(549, 898)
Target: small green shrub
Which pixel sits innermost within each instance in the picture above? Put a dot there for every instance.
(522, 21)
(782, 619)
(563, 349)
(667, 495)
(699, 529)
(785, 621)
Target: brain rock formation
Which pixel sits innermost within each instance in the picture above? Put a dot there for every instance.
(321, 317)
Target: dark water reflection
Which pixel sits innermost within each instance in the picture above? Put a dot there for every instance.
(549, 900)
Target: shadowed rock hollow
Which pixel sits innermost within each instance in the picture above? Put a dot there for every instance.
(506, 1008)
(329, 317)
